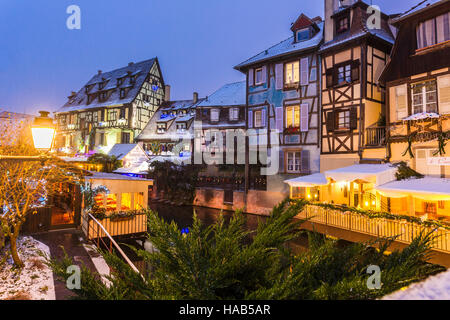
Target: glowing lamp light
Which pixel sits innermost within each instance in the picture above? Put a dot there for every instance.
(309, 196)
(367, 203)
(43, 131)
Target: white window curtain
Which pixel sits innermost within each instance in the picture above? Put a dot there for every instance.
(433, 31)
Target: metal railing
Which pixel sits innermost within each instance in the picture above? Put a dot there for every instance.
(379, 227)
(375, 136)
(102, 237)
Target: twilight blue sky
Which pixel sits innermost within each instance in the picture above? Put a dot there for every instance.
(197, 42)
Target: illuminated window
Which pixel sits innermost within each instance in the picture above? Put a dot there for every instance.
(139, 201)
(125, 203)
(111, 202)
(293, 117)
(258, 119)
(424, 97)
(291, 73)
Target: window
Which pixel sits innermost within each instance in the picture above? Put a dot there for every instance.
(122, 113)
(112, 115)
(161, 128)
(258, 119)
(292, 73)
(303, 35)
(234, 114)
(293, 161)
(125, 137)
(215, 115)
(293, 117)
(424, 97)
(181, 127)
(344, 74)
(259, 76)
(433, 31)
(429, 207)
(343, 120)
(123, 93)
(342, 25)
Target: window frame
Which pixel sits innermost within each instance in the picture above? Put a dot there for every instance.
(424, 97)
(234, 114)
(254, 118)
(304, 30)
(256, 72)
(346, 126)
(294, 161)
(214, 111)
(293, 83)
(294, 107)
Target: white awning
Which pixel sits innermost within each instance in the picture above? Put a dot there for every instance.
(372, 173)
(428, 188)
(313, 180)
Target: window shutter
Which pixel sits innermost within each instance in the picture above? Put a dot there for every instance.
(353, 118)
(401, 105)
(279, 118)
(250, 119)
(330, 121)
(230, 113)
(279, 76)
(250, 77)
(329, 74)
(305, 161)
(263, 117)
(443, 83)
(355, 70)
(304, 71)
(304, 117)
(264, 74)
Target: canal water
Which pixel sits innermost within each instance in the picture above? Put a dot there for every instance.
(183, 217)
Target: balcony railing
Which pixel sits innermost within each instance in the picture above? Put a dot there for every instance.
(375, 136)
(232, 183)
(403, 230)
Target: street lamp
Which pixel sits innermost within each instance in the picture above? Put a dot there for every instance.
(43, 132)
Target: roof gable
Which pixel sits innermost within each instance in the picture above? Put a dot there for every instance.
(302, 22)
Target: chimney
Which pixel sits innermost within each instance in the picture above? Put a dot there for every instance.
(167, 93)
(195, 98)
(99, 72)
(130, 64)
(331, 6)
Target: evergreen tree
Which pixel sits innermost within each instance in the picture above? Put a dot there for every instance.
(226, 261)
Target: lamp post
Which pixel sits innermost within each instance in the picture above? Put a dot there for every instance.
(43, 131)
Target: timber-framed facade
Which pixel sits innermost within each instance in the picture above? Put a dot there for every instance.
(353, 102)
(113, 107)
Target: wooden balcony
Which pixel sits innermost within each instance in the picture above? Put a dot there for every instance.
(376, 137)
(403, 230)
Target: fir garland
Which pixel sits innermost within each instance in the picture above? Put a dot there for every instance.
(376, 214)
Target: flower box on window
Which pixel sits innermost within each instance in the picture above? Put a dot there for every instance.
(292, 130)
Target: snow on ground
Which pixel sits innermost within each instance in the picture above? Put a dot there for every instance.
(434, 288)
(34, 281)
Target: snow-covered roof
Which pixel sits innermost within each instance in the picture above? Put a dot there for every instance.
(121, 150)
(174, 159)
(418, 8)
(232, 94)
(312, 180)
(285, 47)
(113, 176)
(79, 101)
(421, 116)
(136, 168)
(428, 188)
(375, 173)
(150, 130)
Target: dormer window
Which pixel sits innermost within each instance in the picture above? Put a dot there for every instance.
(103, 96)
(433, 31)
(123, 93)
(302, 35)
(342, 24)
(161, 128)
(119, 82)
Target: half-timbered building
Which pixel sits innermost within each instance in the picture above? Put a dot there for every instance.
(418, 88)
(113, 107)
(354, 53)
(283, 92)
(169, 133)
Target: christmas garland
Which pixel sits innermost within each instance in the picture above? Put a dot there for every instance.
(376, 214)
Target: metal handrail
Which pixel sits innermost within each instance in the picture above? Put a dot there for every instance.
(113, 242)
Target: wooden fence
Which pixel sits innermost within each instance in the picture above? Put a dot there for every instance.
(378, 227)
(115, 227)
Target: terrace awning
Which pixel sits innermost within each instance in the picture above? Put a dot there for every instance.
(313, 180)
(430, 189)
(371, 173)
